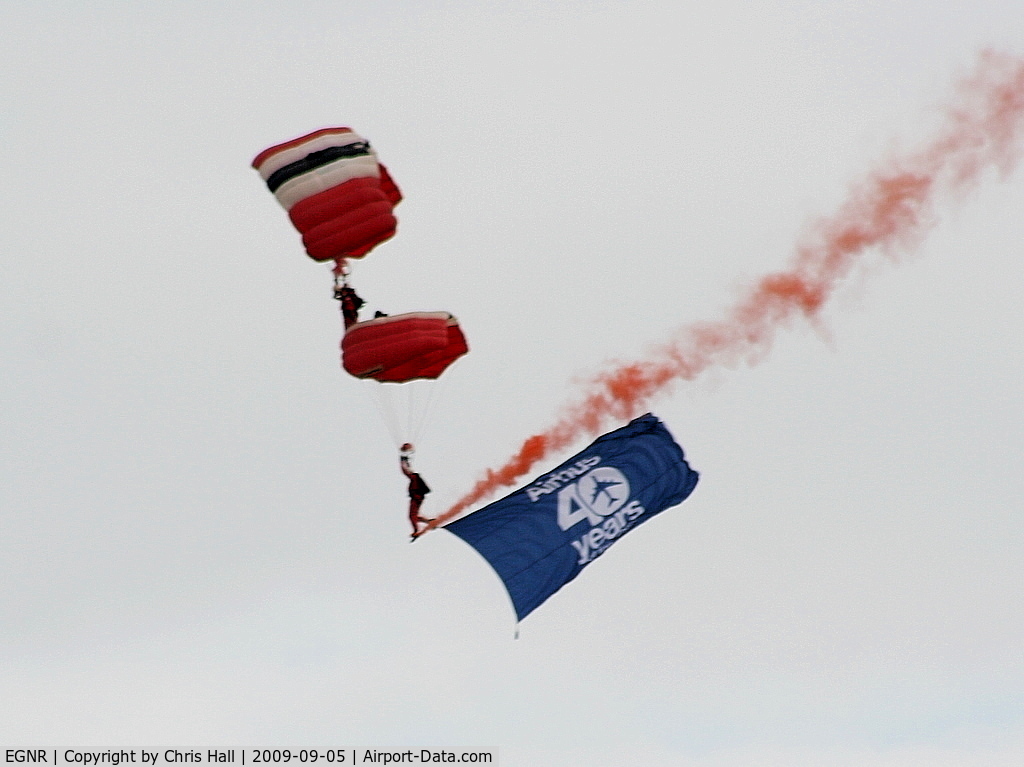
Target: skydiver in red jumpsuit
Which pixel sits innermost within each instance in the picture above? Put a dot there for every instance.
(418, 490)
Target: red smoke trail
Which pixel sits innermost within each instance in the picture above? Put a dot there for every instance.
(891, 208)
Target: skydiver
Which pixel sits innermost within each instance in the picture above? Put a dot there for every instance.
(418, 490)
(350, 303)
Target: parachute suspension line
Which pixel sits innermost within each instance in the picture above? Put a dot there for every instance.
(405, 396)
(405, 408)
(419, 404)
(422, 407)
(384, 400)
(410, 401)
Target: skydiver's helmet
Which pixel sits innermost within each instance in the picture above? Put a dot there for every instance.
(406, 450)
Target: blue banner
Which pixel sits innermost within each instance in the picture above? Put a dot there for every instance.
(540, 537)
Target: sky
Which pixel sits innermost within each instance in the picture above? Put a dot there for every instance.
(203, 539)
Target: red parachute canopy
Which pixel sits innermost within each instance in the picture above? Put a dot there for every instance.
(403, 347)
(335, 191)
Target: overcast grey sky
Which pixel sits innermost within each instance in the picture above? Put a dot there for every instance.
(202, 527)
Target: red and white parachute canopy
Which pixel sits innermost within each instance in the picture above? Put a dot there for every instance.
(336, 192)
